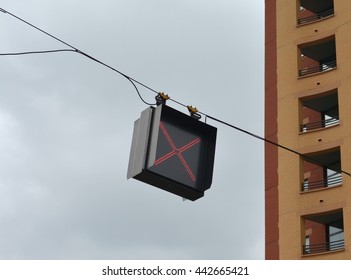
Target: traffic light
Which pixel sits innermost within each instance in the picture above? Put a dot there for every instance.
(173, 151)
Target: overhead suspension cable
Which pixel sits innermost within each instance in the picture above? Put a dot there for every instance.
(134, 82)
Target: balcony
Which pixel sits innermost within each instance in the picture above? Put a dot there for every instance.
(317, 57)
(313, 10)
(324, 247)
(330, 181)
(319, 111)
(321, 170)
(324, 232)
(322, 67)
(319, 124)
(315, 17)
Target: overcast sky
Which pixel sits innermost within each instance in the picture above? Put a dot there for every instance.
(66, 127)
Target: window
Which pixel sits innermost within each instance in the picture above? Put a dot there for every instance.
(319, 111)
(325, 232)
(317, 57)
(321, 170)
(313, 10)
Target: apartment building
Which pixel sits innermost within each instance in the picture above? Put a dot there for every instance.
(308, 109)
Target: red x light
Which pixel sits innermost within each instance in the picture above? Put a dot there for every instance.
(173, 151)
(177, 152)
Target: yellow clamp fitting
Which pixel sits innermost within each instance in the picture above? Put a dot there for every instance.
(163, 96)
(192, 110)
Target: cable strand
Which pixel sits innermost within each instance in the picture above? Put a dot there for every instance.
(36, 52)
(137, 90)
(37, 28)
(133, 81)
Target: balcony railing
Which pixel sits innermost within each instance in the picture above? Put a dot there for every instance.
(333, 180)
(322, 68)
(320, 124)
(322, 248)
(315, 17)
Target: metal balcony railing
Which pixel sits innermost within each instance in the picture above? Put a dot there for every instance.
(322, 68)
(322, 248)
(333, 180)
(320, 124)
(315, 17)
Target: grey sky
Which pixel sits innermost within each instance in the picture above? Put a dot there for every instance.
(66, 126)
